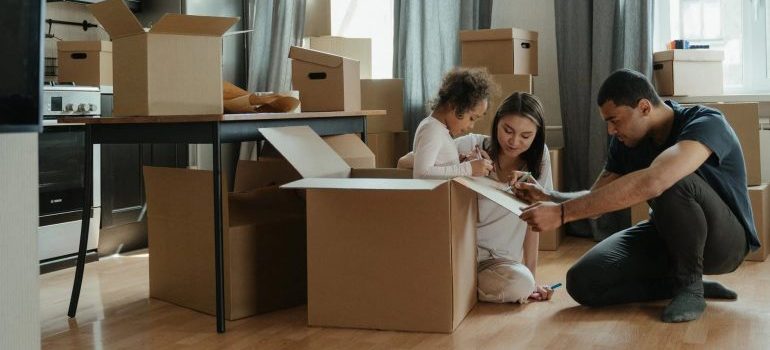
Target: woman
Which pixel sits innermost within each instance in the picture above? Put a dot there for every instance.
(507, 247)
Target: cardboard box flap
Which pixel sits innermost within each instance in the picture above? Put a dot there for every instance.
(490, 189)
(497, 34)
(366, 184)
(84, 46)
(173, 23)
(116, 18)
(317, 57)
(352, 150)
(700, 55)
(306, 151)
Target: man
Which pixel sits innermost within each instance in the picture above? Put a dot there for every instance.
(687, 163)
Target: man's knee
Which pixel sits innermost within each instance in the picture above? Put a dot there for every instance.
(684, 188)
(581, 284)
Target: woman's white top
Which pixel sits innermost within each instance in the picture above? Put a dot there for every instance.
(435, 153)
(500, 233)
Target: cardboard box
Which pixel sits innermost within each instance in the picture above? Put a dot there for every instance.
(346, 146)
(509, 83)
(86, 63)
(388, 147)
(318, 14)
(384, 94)
(394, 254)
(759, 196)
(501, 51)
(744, 119)
(359, 49)
(764, 157)
(264, 242)
(640, 212)
(325, 82)
(550, 240)
(688, 72)
(173, 69)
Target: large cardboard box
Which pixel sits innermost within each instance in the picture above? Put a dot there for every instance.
(509, 83)
(384, 253)
(550, 240)
(359, 49)
(383, 94)
(86, 63)
(325, 82)
(501, 51)
(264, 241)
(688, 72)
(175, 68)
(764, 157)
(760, 207)
(744, 119)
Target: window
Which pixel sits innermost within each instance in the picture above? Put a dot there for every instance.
(367, 19)
(738, 27)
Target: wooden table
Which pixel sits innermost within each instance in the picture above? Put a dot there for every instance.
(194, 129)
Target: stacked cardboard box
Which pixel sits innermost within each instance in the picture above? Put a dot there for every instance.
(551, 240)
(688, 72)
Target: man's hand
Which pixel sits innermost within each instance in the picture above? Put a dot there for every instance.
(542, 216)
(529, 192)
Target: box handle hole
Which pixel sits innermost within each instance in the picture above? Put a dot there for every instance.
(525, 45)
(657, 66)
(79, 55)
(317, 76)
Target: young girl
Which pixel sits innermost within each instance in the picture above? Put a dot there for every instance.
(507, 247)
(461, 100)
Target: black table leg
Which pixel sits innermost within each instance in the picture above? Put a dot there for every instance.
(86, 218)
(218, 237)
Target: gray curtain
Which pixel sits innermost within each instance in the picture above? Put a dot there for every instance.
(426, 45)
(277, 25)
(594, 38)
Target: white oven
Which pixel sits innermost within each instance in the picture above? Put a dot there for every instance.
(61, 155)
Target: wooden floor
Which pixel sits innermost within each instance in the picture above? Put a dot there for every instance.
(115, 313)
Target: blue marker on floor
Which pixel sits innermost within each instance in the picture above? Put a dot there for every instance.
(557, 285)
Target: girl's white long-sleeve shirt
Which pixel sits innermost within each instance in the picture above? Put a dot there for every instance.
(435, 153)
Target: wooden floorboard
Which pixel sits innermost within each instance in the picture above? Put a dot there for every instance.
(115, 312)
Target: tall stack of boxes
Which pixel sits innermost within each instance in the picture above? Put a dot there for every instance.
(699, 73)
(512, 66)
(386, 136)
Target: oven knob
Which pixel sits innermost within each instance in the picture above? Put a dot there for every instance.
(68, 107)
(82, 107)
(92, 107)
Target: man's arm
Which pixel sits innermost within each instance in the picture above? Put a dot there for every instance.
(672, 165)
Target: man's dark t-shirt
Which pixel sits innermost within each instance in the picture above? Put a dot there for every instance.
(724, 170)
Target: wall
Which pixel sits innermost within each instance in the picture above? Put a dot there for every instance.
(19, 287)
(539, 16)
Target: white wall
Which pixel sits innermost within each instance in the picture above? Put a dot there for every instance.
(539, 16)
(19, 288)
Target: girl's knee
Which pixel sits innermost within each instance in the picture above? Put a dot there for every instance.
(505, 283)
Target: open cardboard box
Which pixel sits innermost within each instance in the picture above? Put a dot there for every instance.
(383, 252)
(175, 68)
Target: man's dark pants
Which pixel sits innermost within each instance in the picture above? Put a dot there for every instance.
(692, 232)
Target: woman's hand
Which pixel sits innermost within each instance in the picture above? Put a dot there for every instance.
(529, 192)
(481, 167)
(541, 293)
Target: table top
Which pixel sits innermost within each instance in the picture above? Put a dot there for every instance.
(217, 117)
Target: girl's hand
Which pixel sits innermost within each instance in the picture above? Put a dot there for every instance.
(481, 167)
(541, 293)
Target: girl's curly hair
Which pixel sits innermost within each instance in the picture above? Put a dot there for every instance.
(463, 88)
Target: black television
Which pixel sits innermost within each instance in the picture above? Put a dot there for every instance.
(21, 65)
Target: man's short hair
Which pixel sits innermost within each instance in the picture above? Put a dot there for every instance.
(625, 87)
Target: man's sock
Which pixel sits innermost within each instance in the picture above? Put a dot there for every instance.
(687, 305)
(716, 290)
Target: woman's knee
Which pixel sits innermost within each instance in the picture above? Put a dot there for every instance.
(505, 283)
